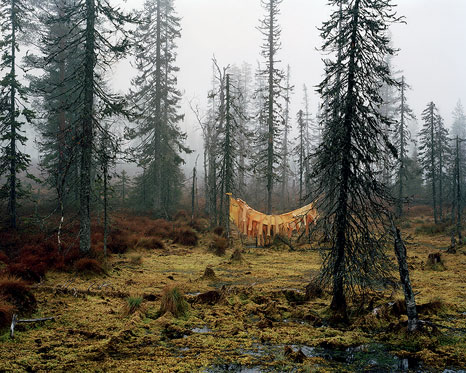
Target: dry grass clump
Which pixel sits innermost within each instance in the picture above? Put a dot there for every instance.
(150, 243)
(184, 236)
(173, 301)
(88, 266)
(237, 256)
(218, 245)
(16, 292)
(6, 312)
(209, 274)
(218, 231)
(133, 304)
(435, 262)
(313, 290)
(135, 259)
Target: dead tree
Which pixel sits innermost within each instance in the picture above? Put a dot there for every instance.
(400, 251)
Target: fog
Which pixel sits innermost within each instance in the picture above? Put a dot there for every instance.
(431, 42)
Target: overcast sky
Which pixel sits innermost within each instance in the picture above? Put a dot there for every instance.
(432, 48)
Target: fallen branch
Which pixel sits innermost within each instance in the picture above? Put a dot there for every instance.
(430, 323)
(15, 321)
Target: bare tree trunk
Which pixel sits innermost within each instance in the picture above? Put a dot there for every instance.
(400, 251)
(87, 134)
(270, 115)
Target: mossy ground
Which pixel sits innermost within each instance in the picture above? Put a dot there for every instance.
(260, 312)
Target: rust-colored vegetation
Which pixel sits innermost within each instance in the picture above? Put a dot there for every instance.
(88, 266)
(184, 235)
(6, 312)
(218, 245)
(17, 293)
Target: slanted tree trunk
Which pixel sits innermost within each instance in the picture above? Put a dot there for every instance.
(400, 251)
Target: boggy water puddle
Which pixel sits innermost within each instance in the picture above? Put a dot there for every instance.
(367, 358)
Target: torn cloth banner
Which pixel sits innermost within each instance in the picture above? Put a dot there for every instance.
(261, 226)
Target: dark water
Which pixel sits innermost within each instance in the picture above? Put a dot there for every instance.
(370, 358)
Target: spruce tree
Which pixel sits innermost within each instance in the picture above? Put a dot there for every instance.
(433, 156)
(353, 201)
(97, 40)
(13, 106)
(156, 96)
(402, 137)
(271, 92)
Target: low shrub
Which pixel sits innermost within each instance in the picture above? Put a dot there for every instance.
(160, 228)
(184, 236)
(6, 313)
(118, 242)
(182, 215)
(17, 292)
(218, 231)
(150, 243)
(218, 245)
(200, 225)
(88, 266)
(173, 301)
(4, 258)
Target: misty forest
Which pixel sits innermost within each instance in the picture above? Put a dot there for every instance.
(279, 219)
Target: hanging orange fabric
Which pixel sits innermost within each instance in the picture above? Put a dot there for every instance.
(255, 224)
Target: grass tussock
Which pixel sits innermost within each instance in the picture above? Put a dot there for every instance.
(218, 245)
(185, 236)
(237, 256)
(135, 259)
(209, 274)
(133, 304)
(17, 293)
(174, 302)
(150, 243)
(88, 266)
(435, 262)
(432, 229)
